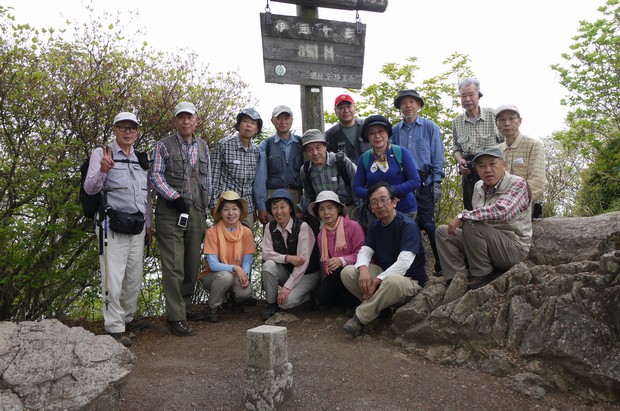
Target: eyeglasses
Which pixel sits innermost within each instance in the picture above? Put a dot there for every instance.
(510, 119)
(131, 129)
(381, 201)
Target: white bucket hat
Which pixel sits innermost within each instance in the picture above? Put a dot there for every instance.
(324, 196)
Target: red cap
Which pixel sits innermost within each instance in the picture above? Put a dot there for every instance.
(342, 98)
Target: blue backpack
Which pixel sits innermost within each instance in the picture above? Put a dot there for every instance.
(398, 155)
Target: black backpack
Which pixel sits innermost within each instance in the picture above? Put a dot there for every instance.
(92, 204)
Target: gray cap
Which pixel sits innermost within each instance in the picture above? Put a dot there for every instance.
(490, 151)
(506, 107)
(253, 114)
(185, 107)
(408, 93)
(313, 136)
(281, 109)
(125, 115)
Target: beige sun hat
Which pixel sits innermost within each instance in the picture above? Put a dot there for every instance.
(231, 196)
(324, 196)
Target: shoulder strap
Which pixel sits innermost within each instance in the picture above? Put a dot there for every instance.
(341, 167)
(366, 160)
(398, 155)
(309, 188)
(268, 146)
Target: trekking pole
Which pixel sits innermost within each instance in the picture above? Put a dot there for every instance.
(105, 252)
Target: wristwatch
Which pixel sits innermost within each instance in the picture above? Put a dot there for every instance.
(460, 216)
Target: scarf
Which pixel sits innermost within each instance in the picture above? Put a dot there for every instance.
(380, 161)
(341, 240)
(226, 238)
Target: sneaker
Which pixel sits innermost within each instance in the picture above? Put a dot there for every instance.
(181, 328)
(270, 311)
(213, 314)
(123, 339)
(194, 316)
(354, 326)
(136, 325)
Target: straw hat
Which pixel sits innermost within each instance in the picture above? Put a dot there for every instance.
(231, 196)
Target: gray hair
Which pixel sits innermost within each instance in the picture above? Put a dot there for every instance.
(468, 82)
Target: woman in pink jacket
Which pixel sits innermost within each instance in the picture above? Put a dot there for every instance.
(339, 241)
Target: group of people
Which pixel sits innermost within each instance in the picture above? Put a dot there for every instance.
(342, 211)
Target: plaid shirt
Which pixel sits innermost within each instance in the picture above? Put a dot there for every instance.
(468, 136)
(514, 200)
(234, 168)
(326, 178)
(526, 158)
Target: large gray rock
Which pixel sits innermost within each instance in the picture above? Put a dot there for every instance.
(551, 323)
(48, 366)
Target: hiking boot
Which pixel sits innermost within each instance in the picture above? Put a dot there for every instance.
(136, 325)
(194, 316)
(354, 326)
(477, 282)
(123, 339)
(181, 328)
(250, 302)
(270, 311)
(238, 308)
(213, 314)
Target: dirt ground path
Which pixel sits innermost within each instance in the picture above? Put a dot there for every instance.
(331, 371)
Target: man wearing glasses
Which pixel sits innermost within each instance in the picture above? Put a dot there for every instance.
(116, 172)
(525, 156)
(393, 242)
(346, 136)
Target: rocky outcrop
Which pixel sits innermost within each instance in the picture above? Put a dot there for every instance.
(551, 323)
(48, 366)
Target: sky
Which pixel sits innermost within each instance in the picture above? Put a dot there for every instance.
(511, 44)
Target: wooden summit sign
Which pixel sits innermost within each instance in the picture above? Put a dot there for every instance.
(312, 52)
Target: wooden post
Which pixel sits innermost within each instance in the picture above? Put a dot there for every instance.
(311, 96)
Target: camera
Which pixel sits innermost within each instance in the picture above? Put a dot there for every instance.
(470, 164)
(183, 218)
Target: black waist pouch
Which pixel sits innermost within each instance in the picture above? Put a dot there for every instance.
(126, 223)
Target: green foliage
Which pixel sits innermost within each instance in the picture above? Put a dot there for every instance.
(441, 102)
(591, 74)
(57, 100)
(564, 169)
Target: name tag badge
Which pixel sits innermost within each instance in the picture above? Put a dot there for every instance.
(237, 162)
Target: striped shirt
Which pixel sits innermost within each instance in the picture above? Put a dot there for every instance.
(234, 168)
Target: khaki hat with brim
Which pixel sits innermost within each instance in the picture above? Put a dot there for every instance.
(231, 196)
(324, 196)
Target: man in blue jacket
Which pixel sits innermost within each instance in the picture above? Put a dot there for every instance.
(423, 140)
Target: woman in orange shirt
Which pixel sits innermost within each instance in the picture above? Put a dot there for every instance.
(229, 247)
